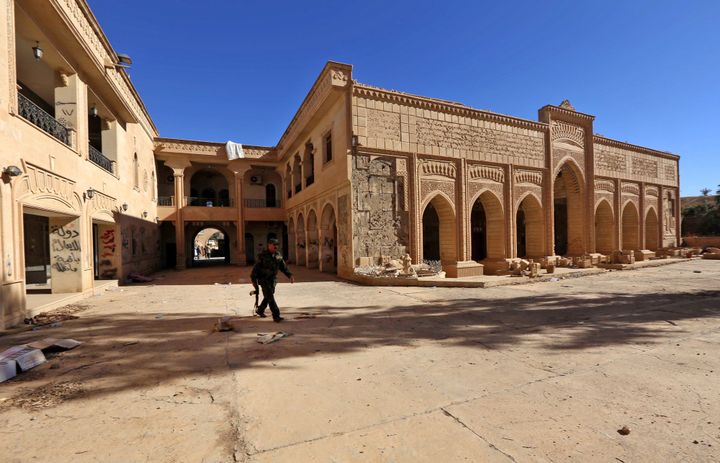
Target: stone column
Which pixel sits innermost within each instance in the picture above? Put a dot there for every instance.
(71, 109)
(618, 215)
(178, 167)
(238, 257)
(510, 213)
(462, 211)
(642, 242)
(111, 141)
(415, 213)
(65, 255)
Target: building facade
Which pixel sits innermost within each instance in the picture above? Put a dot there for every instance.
(77, 195)
(360, 175)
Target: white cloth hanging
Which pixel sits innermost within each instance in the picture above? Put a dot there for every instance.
(234, 150)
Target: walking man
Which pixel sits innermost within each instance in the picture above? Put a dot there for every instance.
(264, 274)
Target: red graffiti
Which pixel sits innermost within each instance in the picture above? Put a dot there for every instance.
(108, 241)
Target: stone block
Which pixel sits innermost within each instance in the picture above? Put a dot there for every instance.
(644, 254)
(364, 261)
(463, 269)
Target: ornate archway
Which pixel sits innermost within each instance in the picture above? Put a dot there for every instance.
(487, 228)
(313, 254)
(530, 224)
(328, 238)
(439, 240)
(301, 242)
(604, 228)
(652, 230)
(630, 227)
(568, 207)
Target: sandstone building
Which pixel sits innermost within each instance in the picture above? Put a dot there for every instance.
(360, 173)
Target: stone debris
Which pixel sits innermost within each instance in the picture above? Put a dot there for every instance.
(139, 278)
(223, 324)
(49, 395)
(624, 431)
(58, 315)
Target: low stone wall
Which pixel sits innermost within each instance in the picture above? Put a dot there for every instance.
(702, 241)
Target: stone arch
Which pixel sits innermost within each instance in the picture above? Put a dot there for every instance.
(604, 227)
(439, 235)
(486, 212)
(328, 238)
(209, 254)
(569, 209)
(209, 185)
(291, 240)
(313, 245)
(530, 227)
(301, 243)
(652, 230)
(630, 227)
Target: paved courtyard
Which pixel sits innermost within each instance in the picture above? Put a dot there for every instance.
(540, 372)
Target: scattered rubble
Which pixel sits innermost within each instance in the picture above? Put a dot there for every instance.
(624, 431)
(139, 278)
(58, 315)
(267, 338)
(223, 324)
(49, 395)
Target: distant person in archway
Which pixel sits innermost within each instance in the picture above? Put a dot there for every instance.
(264, 274)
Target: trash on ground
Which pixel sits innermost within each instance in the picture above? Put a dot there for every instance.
(267, 338)
(47, 396)
(223, 324)
(25, 357)
(60, 314)
(8, 369)
(139, 278)
(55, 345)
(624, 431)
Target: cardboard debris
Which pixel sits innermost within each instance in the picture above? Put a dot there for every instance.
(267, 338)
(55, 344)
(26, 357)
(8, 369)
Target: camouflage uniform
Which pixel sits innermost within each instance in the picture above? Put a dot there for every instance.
(264, 274)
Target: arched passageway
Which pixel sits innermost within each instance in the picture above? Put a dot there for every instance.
(487, 230)
(652, 230)
(630, 227)
(209, 188)
(210, 246)
(439, 231)
(530, 228)
(568, 212)
(604, 228)
(328, 238)
(291, 241)
(301, 243)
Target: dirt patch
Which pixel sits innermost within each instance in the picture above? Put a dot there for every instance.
(58, 315)
(46, 396)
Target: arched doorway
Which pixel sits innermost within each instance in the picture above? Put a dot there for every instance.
(604, 226)
(652, 230)
(249, 248)
(328, 236)
(439, 235)
(530, 228)
(210, 246)
(487, 228)
(312, 245)
(270, 196)
(301, 244)
(208, 187)
(568, 212)
(630, 227)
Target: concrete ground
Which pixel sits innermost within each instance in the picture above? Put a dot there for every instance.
(541, 372)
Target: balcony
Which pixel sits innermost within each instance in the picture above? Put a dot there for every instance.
(37, 116)
(168, 201)
(198, 201)
(257, 203)
(100, 160)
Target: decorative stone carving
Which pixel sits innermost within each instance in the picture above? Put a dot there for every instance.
(652, 191)
(39, 181)
(494, 173)
(427, 187)
(561, 153)
(564, 131)
(437, 168)
(382, 124)
(339, 77)
(605, 159)
(670, 173)
(630, 188)
(604, 185)
(102, 202)
(566, 105)
(528, 176)
(401, 172)
(474, 188)
(645, 167)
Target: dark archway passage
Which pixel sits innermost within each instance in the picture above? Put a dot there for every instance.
(530, 228)
(604, 226)
(478, 231)
(431, 234)
(568, 212)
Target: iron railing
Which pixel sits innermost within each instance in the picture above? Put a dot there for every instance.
(254, 203)
(166, 200)
(100, 159)
(39, 117)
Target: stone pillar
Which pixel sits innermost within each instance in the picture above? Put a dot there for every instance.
(463, 219)
(238, 256)
(618, 215)
(71, 108)
(111, 141)
(415, 212)
(641, 219)
(65, 255)
(8, 98)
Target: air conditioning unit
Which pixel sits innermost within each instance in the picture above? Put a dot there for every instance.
(256, 179)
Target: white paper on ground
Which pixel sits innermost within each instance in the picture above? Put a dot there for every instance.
(8, 369)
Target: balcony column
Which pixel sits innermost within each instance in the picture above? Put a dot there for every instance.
(238, 256)
(178, 167)
(71, 109)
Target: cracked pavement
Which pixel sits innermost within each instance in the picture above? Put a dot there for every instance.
(543, 372)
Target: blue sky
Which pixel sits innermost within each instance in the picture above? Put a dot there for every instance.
(649, 70)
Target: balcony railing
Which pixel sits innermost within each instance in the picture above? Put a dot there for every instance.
(207, 202)
(166, 200)
(254, 203)
(39, 117)
(100, 159)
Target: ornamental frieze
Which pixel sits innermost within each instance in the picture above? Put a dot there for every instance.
(609, 161)
(561, 153)
(474, 188)
(383, 124)
(645, 167)
(651, 191)
(40, 181)
(564, 131)
(670, 173)
(439, 168)
(605, 185)
(630, 188)
(477, 172)
(528, 176)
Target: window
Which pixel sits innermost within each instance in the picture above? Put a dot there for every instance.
(309, 164)
(328, 147)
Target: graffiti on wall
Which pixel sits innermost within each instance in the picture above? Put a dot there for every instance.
(108, 243)
(65, 245)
